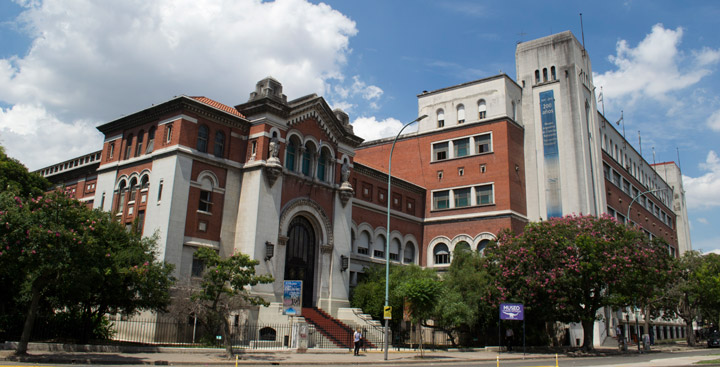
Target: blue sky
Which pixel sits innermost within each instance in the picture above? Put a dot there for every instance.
(67, 66)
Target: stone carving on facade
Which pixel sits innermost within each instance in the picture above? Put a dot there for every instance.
(273, 168)
(346, 190)
(326, 248)
(300, 202)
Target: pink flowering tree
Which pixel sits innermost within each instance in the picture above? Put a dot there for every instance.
(566, 269)
(66, 258)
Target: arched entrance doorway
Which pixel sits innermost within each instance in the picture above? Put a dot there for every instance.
(300, 257)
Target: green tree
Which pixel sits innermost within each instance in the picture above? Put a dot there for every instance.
(421, 292)
(68, 257)
(14, 177)
(695, 287)
(463, 306)
(566, 269)
(225, 282)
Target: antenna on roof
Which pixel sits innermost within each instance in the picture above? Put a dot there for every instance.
(582, 32)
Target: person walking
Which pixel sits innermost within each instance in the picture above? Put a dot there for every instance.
(357, 339)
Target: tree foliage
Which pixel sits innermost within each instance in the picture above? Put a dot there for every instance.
(695, 290)
(59, 256)
(568, 268)
(14, 177)
(224, 289)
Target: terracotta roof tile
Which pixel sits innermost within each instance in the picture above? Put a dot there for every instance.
(218, 105)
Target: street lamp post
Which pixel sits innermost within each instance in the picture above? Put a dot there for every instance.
(638, 196)
(387, 236)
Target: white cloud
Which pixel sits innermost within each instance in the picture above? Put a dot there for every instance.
(655, 67)
(702, 220)
(369, 128)
(24, 126)
(704, 191)
(713, 122)
(96, 60)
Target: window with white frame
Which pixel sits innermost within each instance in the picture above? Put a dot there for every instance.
(379, 247)
(461, 147)
(440, 151)
(483, 143)
(462, 197)
(482, 109)
(441, 254)
(205, 204)
(395, 250)
(409, 253)
(441, 118)
(441, 199)
(484, 195)
(363, 243)
(460, 114)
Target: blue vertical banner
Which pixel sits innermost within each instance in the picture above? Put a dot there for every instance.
(551, 155)
(292, 297)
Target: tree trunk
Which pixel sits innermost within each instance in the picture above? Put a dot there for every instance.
(29, 323)
(588, 326)
(227, 338)
(690, 333)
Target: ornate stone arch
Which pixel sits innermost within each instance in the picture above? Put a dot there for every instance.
(481, 237)
(314, 213)
(459, 238)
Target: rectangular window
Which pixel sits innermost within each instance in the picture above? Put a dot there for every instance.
(362, 250)
(394, 257)
(160, 188)
(606, 171)
(482, 144)
(440, 151)
(168, 133)
(626, 186)
(616, 179)
(198, 266)
(441, 200)
(140, 221)
(484, 194)
(111, 150)
(205, 201)
(462, 197)
(462, 147)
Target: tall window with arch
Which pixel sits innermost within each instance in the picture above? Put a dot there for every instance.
(219, 146)
(409, 253)
(441, 118)
(441, 254)
(460, 114)
(322, 165)
(128, 146)
(151, 140)
(482, 109)
(202, 138)
(307, 159)
(379, 247)
(139, 144)
(290, 154)
(395, 250)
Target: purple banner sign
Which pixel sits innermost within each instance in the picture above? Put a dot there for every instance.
(512, 311)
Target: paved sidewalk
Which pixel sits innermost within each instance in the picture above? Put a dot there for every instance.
(205, 356)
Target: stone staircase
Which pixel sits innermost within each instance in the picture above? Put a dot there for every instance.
(337, 332)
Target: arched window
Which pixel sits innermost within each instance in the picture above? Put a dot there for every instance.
(151, 140)
(441, 254)
(307, 159)
(552, 73)
(537, 76)
(128, 146)
(395, 250)
(202, 138)
(205, 203)
(545, 75)
(168, 132)
(363, 243)
(461, 114)
(133, 189)
(441, 118)
(290, 153)
(409, 253)
(482, 245)
(379, 247)
(482, 109)
(122, 189)
(219, 147)
(462, 246)
(322, 165)
(139, 144)
(513, 110)
(144, 182)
